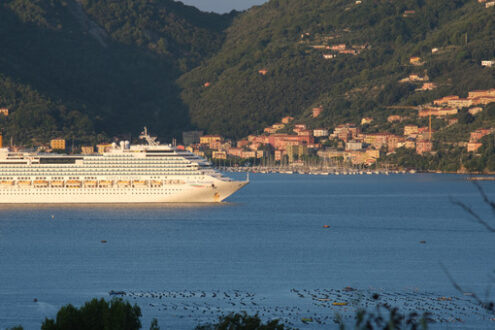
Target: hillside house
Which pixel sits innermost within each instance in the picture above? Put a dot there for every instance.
(423, 146)
(366, 120)
(428, 86)
(287, 119)
(475, 110)
(329, 56)
(410, 130)
(488, 63)
(394, 118)
(444, 100)
(281, 141)
(473, 146)
(320, 132)
(415, 60)
(208, 139)
(317, 111)
(4, 111)
(479, 133)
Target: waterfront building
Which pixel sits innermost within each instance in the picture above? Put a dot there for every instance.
(87, 150)
(57, 144)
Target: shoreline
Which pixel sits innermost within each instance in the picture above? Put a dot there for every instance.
(346, 171)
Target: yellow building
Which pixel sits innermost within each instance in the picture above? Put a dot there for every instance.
(57, 144)
(87, 150)
(104, 147)
(219, 155)
(208, 139)
(411, 130)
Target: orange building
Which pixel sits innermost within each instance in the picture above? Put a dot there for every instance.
(479, 133)
(219, 155)
(287, 119)
(423, 146)
(317, 111)
(473, 146)
(87, 150)
(57, 144)
(104, 147)
(208, 139)
(393, 118)
(281, 141)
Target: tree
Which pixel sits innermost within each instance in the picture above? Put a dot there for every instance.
(241, 321)
(97, 314)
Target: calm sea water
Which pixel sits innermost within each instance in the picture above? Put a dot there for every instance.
(265, 251)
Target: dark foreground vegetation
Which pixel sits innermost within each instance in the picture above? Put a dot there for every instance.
(116, 314)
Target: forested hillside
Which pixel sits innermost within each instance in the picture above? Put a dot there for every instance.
(85, 69)
(288, 40)
(77, 69)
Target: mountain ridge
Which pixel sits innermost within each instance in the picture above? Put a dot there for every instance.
(116, 66)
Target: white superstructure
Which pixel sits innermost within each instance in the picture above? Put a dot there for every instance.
(150, 173)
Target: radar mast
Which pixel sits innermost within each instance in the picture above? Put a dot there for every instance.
(150, 139)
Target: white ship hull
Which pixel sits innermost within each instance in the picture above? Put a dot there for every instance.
(150, 173)
(184, 193)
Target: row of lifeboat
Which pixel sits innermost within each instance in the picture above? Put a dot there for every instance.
(89, 183)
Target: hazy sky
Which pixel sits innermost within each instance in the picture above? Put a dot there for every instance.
(223, 6)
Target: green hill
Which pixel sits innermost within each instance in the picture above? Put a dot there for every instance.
(88, 69)
(284, 38)
(81, 68)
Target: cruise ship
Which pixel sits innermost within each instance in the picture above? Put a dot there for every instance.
(151, 173)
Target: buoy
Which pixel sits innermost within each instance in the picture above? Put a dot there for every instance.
(326, 226)
(35, 299)
(103, 241)
(422, 242)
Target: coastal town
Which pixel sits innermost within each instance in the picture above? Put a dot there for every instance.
(291, 144)
(349, 147)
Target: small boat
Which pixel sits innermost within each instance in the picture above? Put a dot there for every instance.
(339, 303)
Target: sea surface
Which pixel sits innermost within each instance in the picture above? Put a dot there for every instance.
(266, 251)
